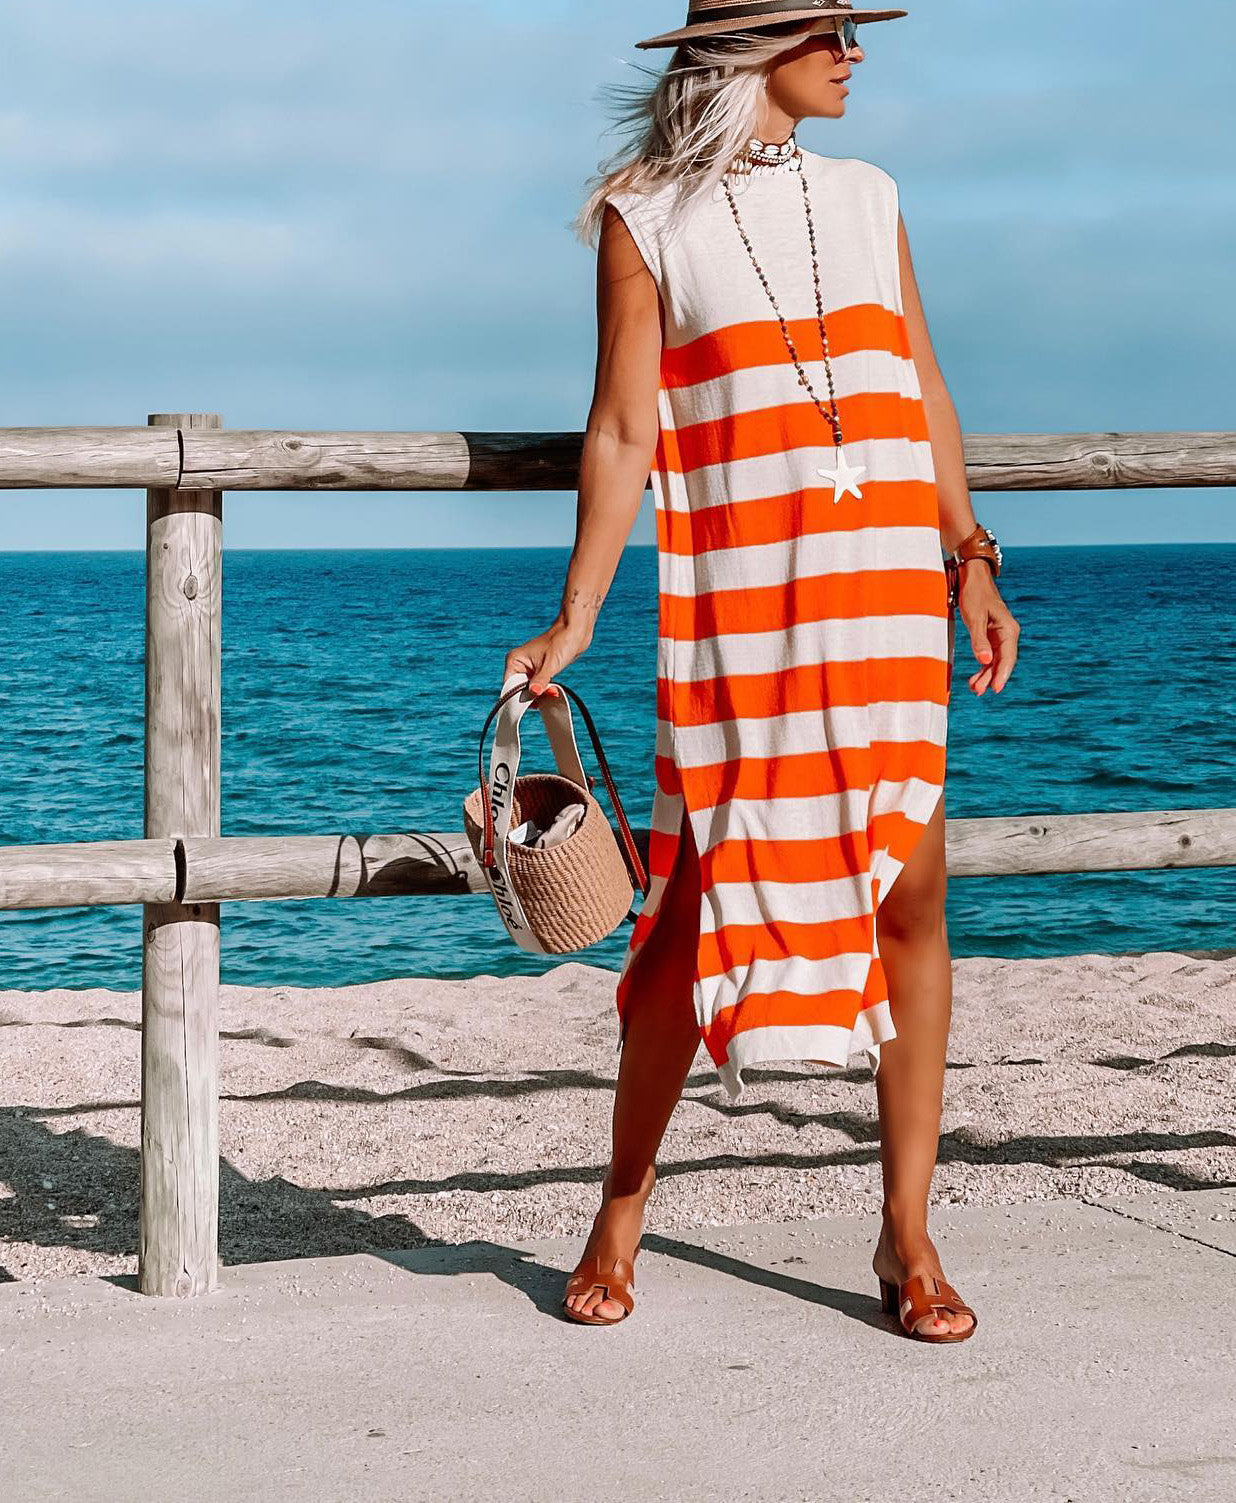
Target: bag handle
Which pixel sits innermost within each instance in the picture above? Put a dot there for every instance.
(639, 877)
(557, 718)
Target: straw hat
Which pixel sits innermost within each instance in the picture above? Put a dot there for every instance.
(706, 18)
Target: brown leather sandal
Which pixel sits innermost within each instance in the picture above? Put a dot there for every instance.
(910, 1301)
(618, 1282)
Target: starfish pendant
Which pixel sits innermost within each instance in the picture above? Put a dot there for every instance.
(844, 477)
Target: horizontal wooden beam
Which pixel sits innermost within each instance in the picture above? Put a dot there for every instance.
(72, 458)
(1098, 461)
(258, 868)
(1138, 840)
(261, 461)
(87, 875)
(273, 460)
(254, 868)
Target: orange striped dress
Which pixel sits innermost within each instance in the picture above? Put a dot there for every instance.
(804, 644)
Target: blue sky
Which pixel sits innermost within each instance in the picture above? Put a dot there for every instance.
(318, 216)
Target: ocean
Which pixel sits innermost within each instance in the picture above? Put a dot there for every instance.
(355, 684)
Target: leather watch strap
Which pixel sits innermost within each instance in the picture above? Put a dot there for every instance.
(981, 543)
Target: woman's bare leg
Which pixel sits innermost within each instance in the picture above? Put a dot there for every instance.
(660, 1043)
(913, 940)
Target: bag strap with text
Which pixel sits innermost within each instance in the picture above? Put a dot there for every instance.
(504, 767)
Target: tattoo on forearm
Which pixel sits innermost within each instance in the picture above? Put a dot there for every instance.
(582, 600)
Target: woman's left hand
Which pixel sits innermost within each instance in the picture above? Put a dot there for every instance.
(993, 629)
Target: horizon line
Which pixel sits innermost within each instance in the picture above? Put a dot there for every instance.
(560, 547)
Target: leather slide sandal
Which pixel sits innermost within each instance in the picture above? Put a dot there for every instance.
(921, 1296)
(617, 1281)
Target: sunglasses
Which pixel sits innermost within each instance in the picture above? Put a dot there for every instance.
(841, 35)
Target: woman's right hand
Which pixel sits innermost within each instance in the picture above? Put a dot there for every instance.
(546, 655)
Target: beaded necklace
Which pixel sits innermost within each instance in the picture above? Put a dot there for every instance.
(844, 476)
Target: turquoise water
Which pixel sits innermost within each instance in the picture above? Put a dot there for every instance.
(355, 685)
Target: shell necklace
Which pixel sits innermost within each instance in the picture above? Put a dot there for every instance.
(843, 475)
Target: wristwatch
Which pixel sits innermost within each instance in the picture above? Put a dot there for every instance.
(980, 544)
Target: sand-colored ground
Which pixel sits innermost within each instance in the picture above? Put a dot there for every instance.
(402, 1112)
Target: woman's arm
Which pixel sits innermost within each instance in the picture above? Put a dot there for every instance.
(619, 444)
(957, 519)
(993, 630)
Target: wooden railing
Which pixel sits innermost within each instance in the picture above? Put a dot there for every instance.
(194, 453)
(183, 869)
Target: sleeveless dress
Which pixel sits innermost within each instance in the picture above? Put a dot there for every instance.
(804, 650)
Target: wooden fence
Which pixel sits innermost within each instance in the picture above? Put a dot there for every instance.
(183, 870)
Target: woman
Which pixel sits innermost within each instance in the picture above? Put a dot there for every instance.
(763, 353)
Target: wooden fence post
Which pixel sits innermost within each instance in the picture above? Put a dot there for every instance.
(179, 1221)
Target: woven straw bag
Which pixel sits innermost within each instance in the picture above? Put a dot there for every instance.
(556, 898)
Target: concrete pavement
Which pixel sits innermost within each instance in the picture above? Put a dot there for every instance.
(757, 1365)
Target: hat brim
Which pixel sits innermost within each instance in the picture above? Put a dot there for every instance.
(713, 28)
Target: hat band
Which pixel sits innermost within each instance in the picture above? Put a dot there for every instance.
(697, 16)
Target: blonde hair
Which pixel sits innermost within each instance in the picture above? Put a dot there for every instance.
(689, 123)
